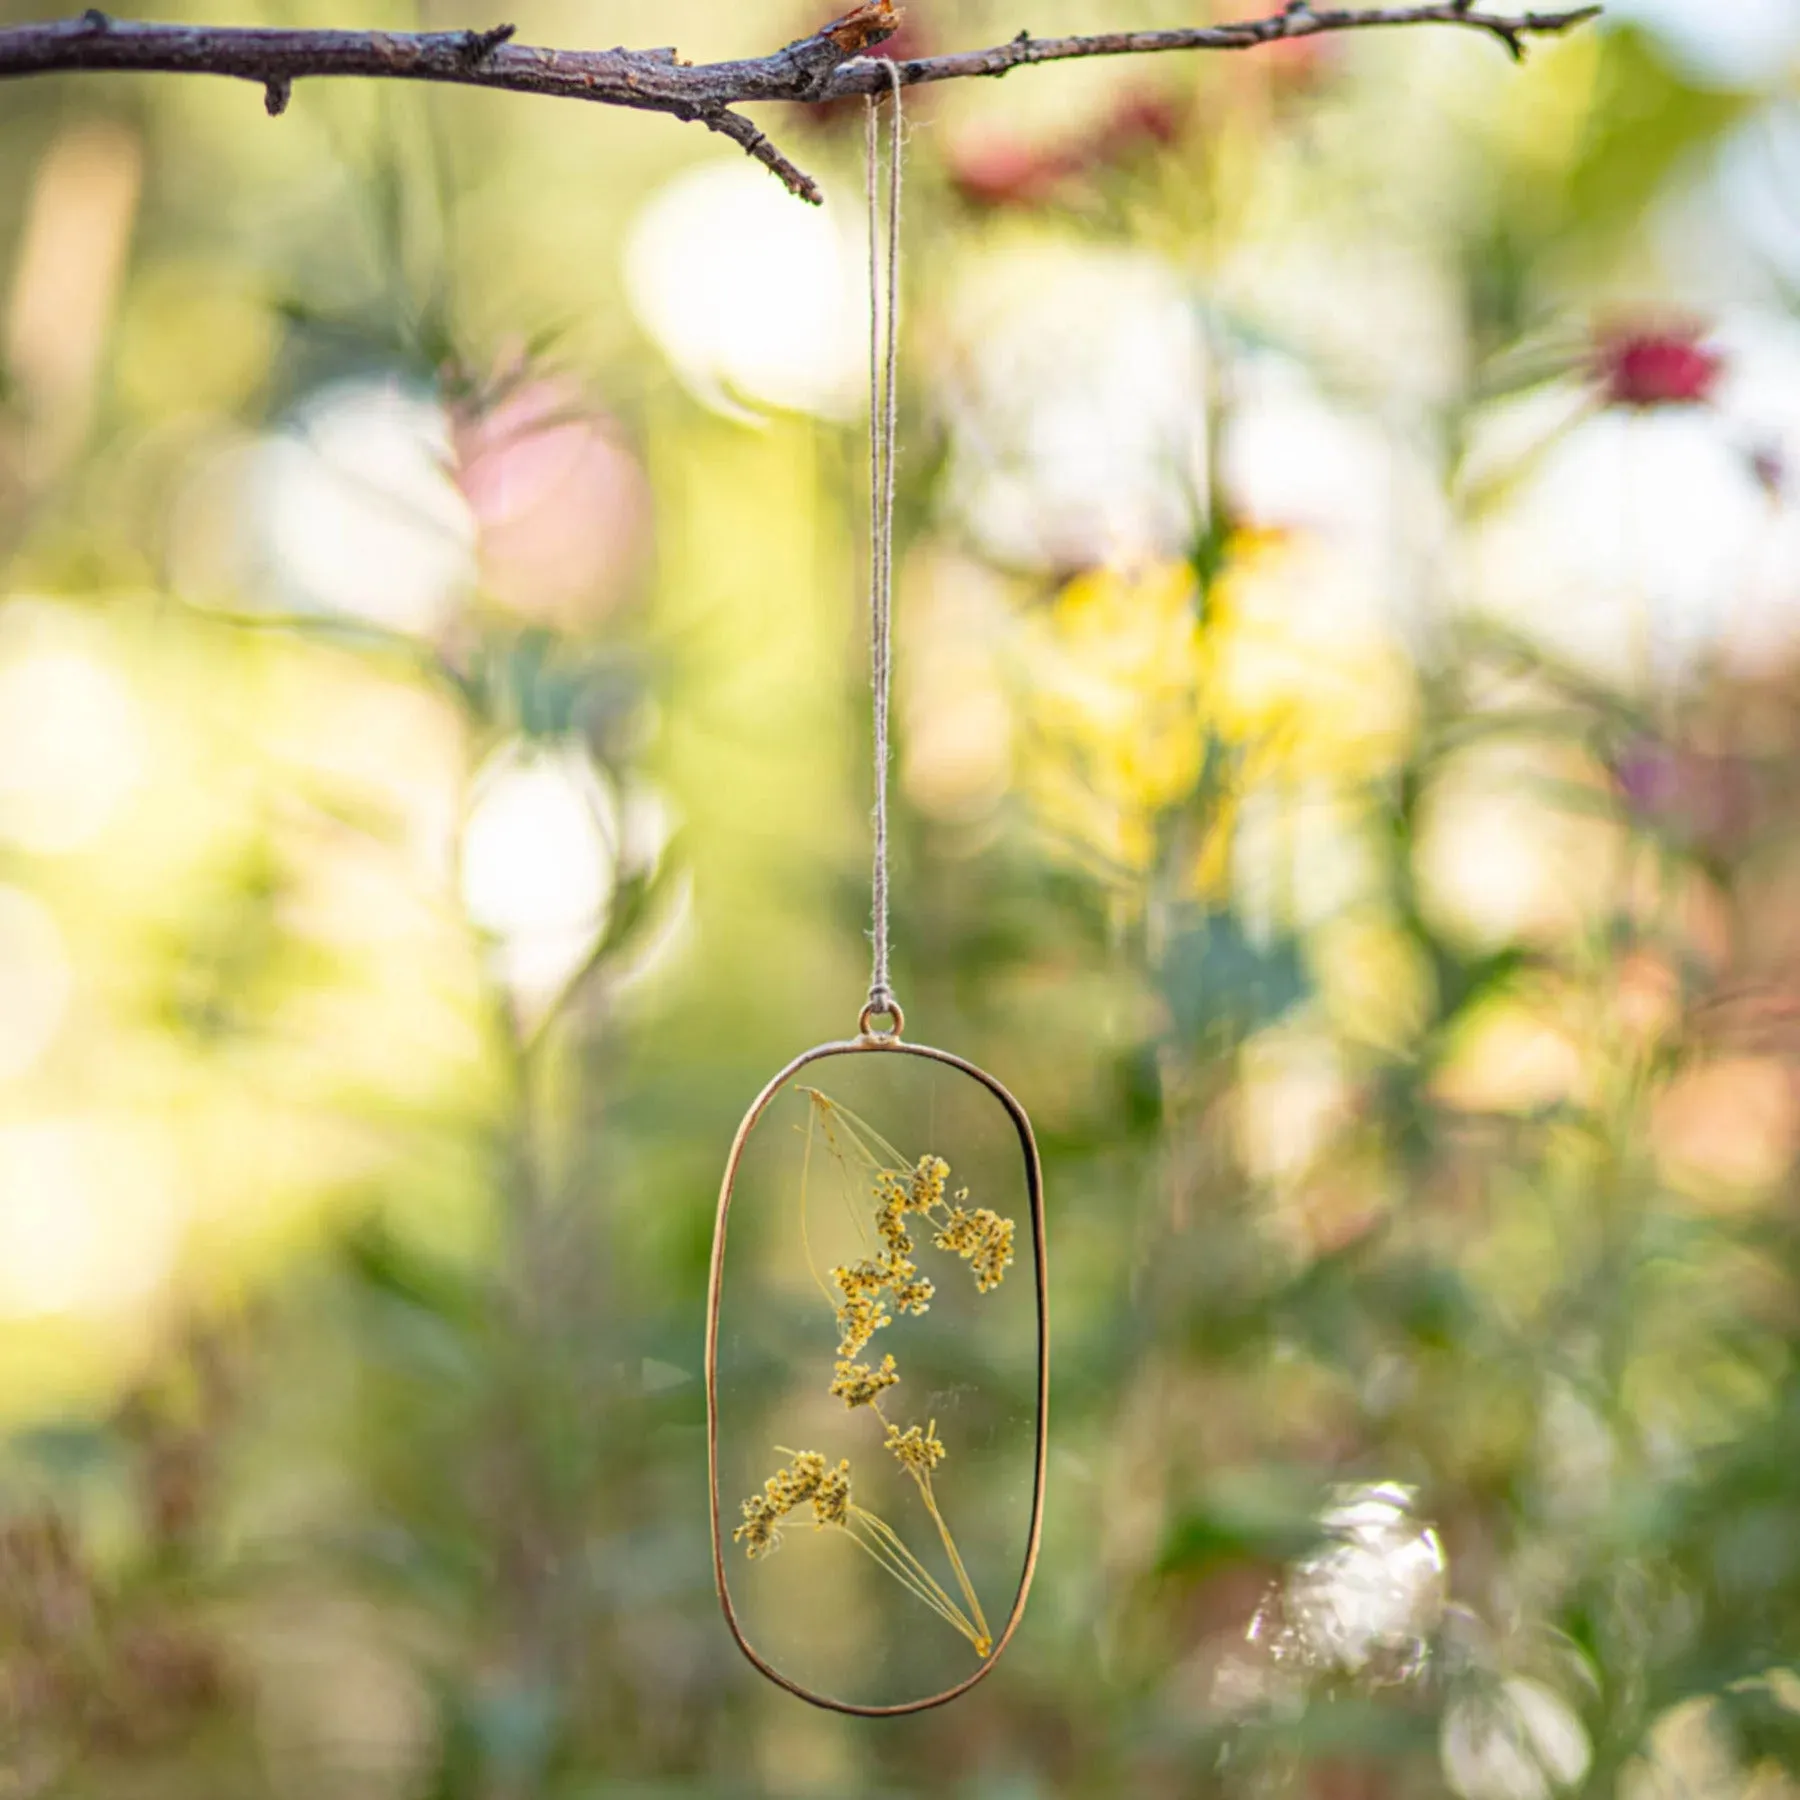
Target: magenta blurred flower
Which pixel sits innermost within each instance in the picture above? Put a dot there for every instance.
(561, 506)
(1707, 800)
(1005, 172)
(1140, 117)
(1664, 367)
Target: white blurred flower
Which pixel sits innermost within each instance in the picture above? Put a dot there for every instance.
(71, 747)
(957, 762)
(751, 298)
(1298, 460)
(1726, 43)
(1373, 1596)
(356, 512)
(1753, 195)
(34, 980)
(1507, 852)
(1368, 1601)
(1642, 543)
(1077, 393)
(88, 1220)
(1519, 1741)
(539, 853)
(1293, 1097)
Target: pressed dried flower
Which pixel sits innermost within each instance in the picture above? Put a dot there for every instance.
(860, 1281)
(859, 1319)
(918, 1452)
(787, 1488)
(890, 1215)
(858, 1384)
(866, 1289)
(926, 1187)
(994, 1257)
(982, 1239)
(831, 1504)
(912, 1291)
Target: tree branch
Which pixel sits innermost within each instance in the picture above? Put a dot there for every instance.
(829, 65)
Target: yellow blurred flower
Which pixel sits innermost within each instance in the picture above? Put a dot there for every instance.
(1314, 695)
(1115, 668)
(1511, 1054)
(1132, 678)
(1375, 981)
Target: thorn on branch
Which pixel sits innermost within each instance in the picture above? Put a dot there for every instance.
(95, 20)
(478, 46)
(277, 92)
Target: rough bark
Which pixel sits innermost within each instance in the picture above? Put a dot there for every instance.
(831, 64)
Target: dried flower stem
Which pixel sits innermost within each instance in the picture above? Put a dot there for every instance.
(912, 1574)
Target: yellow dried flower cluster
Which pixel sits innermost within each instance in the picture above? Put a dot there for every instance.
(983, 1240)
(859, 1318)
(857, 1384)
(871, 1293)
(807, 1477)
(831, 1504)
(866, 1285)
(918, 1452)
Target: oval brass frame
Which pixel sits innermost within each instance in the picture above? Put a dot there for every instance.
(889, 1045)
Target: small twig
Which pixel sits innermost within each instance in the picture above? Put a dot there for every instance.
(759, 145)
(478, 46)
(832, 64)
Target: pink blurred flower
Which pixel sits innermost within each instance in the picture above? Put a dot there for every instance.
(561, 505)
(1002, 172)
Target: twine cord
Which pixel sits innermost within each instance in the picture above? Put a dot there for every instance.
(884, 354)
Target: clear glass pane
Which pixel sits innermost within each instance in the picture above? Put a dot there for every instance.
(878, 1377)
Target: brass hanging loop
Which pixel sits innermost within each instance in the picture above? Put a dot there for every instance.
(889, 1008)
